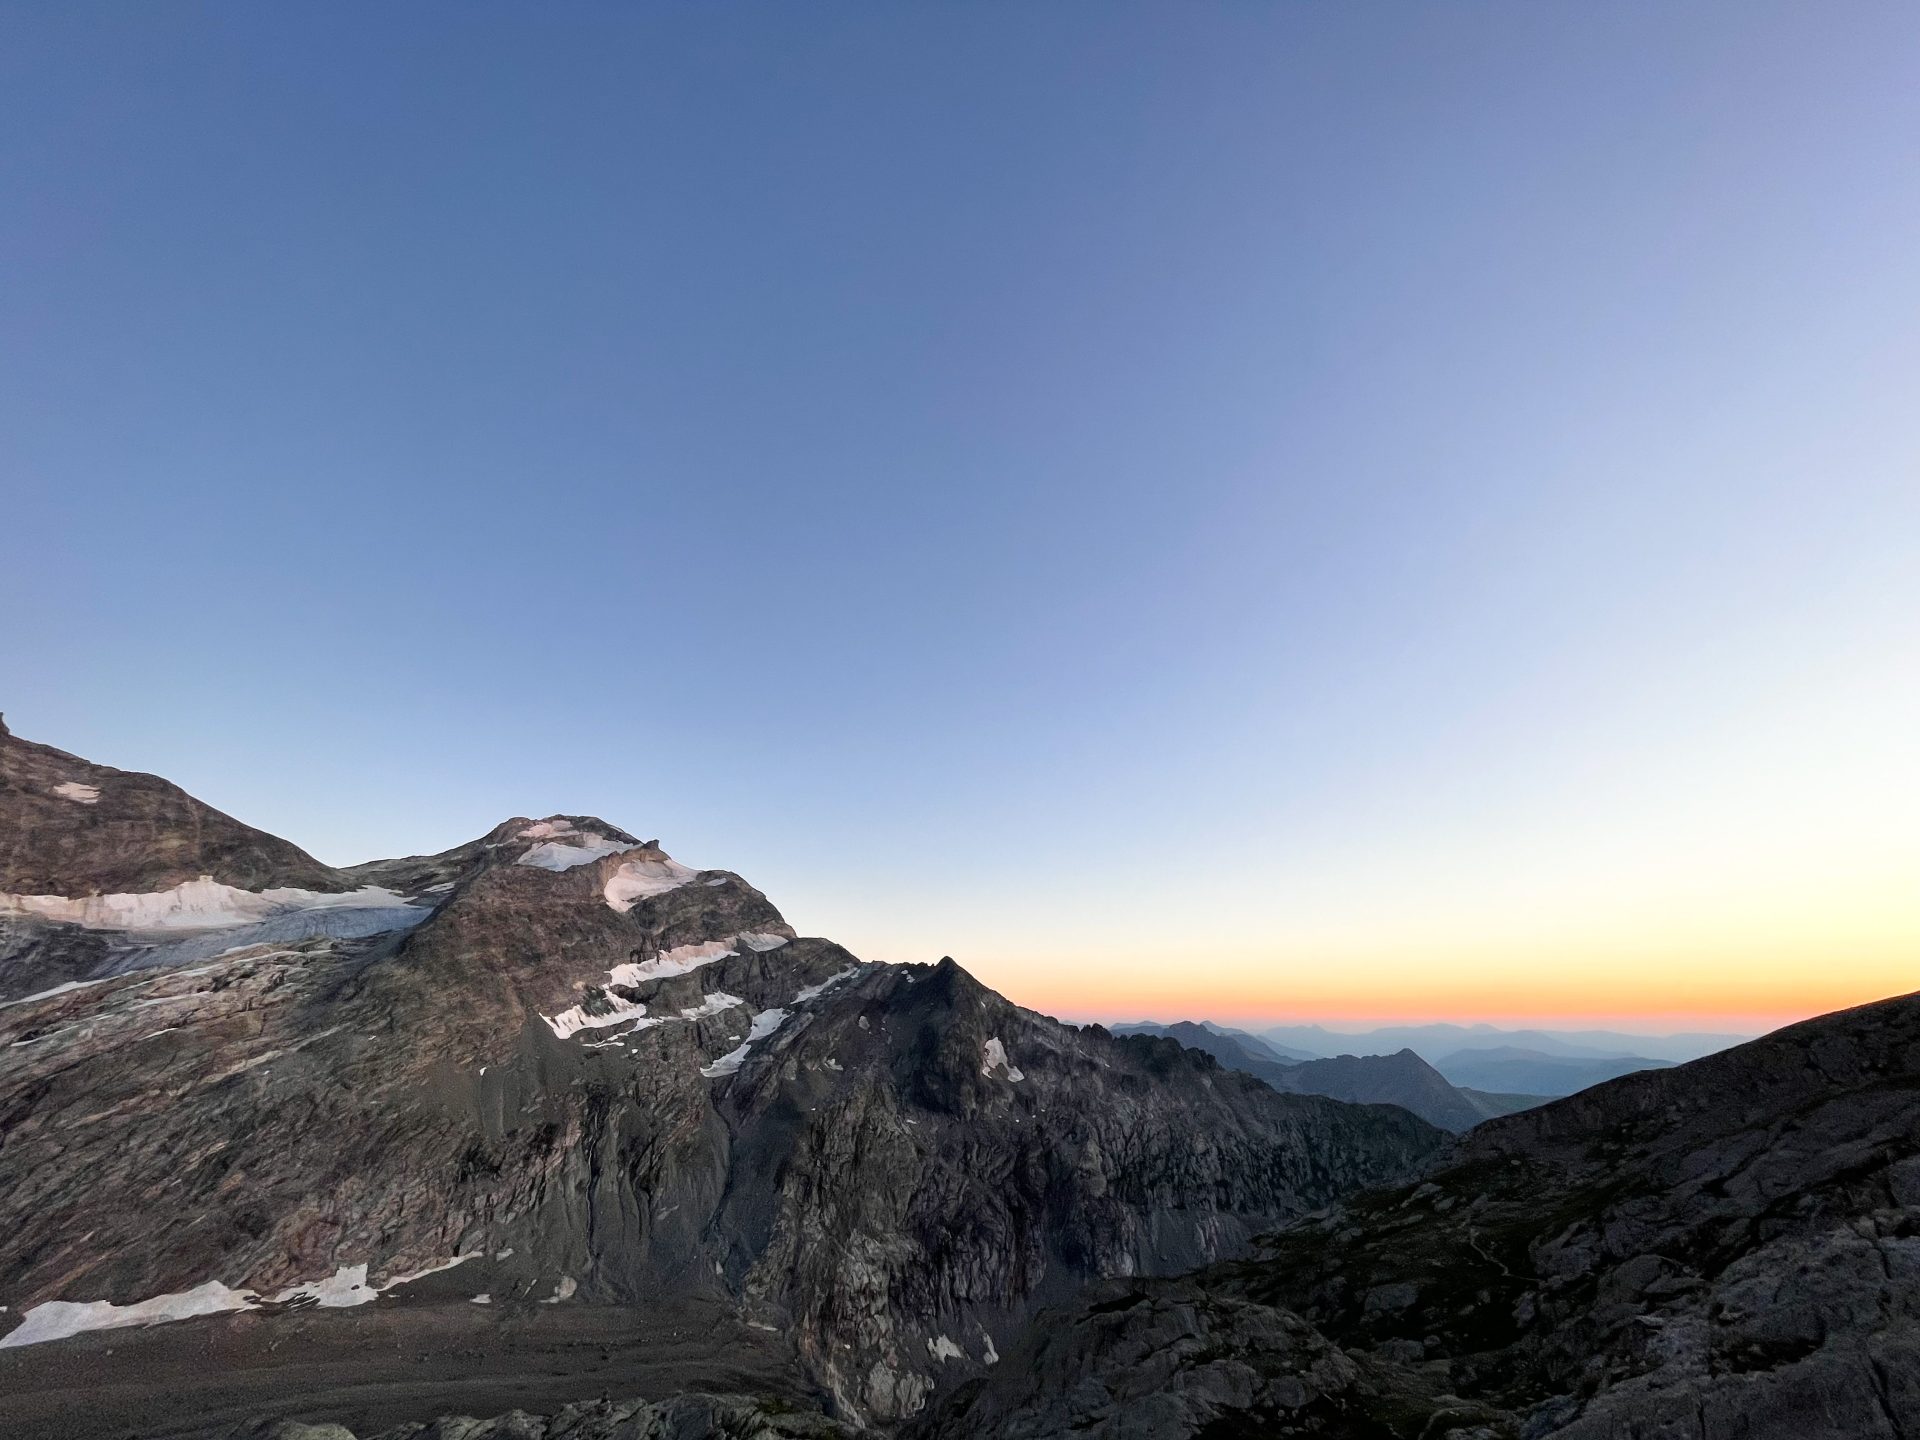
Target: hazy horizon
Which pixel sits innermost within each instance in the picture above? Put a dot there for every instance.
(1260, 1024)
(1228, 511)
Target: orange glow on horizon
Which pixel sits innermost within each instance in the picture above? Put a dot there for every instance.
(1744, 997)
(1360, 1011)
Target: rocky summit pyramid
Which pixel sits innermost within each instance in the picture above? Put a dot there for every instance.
(547, 1117)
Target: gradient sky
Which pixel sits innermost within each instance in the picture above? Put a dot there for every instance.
(1246, 510)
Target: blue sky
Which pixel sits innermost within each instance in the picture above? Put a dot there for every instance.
(1166, 503)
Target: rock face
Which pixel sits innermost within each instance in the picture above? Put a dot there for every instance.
(554, 1066)
(73, 828)
(1728, 1248)
(972, 1159)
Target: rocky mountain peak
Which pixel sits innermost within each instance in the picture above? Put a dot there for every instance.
(557, 1067)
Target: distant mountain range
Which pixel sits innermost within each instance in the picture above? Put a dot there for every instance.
(1499, 1071)
(1265, 1048)
(1314, 1041)
(1528, 1062)
(1510, 1067)
(1402, 1079)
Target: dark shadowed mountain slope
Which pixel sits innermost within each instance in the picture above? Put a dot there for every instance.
(1233, 1051)
(555, 1073)
(1492, 1102)
(1727, 1248)
(1403, 1079)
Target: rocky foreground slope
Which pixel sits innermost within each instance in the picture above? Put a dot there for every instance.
(1729, 1250)
(1726, 1249)
(454, 1100)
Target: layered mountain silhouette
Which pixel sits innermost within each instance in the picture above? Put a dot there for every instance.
(545, 1116)
(1515, 1063)
(1511, 1068)
(1261, 1047)
(1432, 1041)
(1402, 1079)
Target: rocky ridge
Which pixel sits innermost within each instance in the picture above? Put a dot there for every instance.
(1402, 1079)
(555, 1066)
(77, 828)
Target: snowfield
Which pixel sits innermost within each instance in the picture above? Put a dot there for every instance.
(203, 904)
(555, 855)
(58, 1319)
(764, 1024)
(637, 879)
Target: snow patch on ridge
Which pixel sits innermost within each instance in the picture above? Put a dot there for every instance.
(681, 960)
(716, 1003)
(80, 794)
(553, 855)
(814, 992)
(576, 1018)
(636, 880)
(764, 1024)
(684, 959)
(994, 1057)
